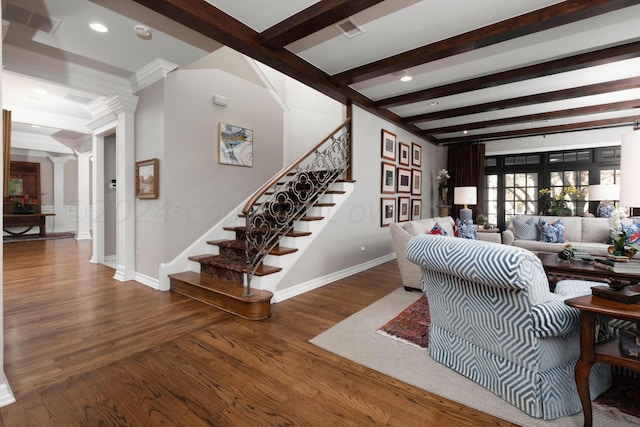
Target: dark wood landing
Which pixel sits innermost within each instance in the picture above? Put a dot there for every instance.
(222, 294)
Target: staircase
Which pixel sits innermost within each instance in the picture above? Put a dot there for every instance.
(278, 210)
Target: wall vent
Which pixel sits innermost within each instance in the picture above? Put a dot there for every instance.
(349, 28)
(20, 15)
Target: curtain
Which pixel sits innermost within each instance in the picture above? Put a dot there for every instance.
(465, 164)
(6, 148)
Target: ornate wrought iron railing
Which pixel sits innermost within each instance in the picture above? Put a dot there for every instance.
(270, 213)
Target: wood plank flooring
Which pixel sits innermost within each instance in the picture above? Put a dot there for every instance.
(82, 349)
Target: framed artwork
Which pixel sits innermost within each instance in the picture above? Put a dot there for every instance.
(416, 209)
(388, 177)
(416, 154)
(147, 179)
(403, 179)
(404, 209)
(388, 145)
(403, 154)
(387, 211)
(416, 182)
(235, 145)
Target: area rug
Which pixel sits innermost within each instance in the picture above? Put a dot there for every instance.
(32, 237)
(356, 339)
(411, 325)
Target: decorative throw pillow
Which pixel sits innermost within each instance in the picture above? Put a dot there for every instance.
(465, 229)
(633, 233)
(525, 230)
(437, 230)
(551, 233)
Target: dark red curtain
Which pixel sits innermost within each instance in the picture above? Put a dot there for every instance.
(465, 164)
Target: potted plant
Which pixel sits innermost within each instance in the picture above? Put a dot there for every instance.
(25, 205)
(483, 220)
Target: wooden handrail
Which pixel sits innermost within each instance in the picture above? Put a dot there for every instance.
(284, 172)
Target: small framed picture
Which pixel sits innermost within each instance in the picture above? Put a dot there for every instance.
(403, 180)
(388, 178)
(416, 209)
(388, 145)
(416, 182)
(404, 209)
(416, 154)
(235, 145)
(387, 211)
(403, 154)
(147, 179)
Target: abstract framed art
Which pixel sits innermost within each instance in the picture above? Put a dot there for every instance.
(416, 182)
(235, 145)
(416, 154)
(387, 211)
(388, 145)
(416, 209)
(388, 178)
(403, 154)
(403, 179)
(404, 209)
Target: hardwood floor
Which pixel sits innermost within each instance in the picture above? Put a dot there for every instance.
(82, 349)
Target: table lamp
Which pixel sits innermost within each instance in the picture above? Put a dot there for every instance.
(465, 196)
(606, 195)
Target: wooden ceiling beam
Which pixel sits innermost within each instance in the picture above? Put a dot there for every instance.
(550, 115)
(570, 63)
(593, 124)
(314, 18)
(556, 95)
(546, 18)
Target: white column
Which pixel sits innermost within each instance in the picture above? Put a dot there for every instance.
(124, 108)
(97, 217)
(60, 220)
(84, 204)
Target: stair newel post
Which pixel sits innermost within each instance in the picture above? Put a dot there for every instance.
(249, 273)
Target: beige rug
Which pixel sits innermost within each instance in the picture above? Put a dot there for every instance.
(355, 338)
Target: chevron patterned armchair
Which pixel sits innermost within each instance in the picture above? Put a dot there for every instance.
(494, 320)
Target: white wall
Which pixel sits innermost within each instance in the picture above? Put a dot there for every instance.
(357, 224)
(196, 191)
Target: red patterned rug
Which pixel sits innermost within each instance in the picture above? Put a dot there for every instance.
(412, 326)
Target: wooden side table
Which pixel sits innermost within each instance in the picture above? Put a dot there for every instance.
(605, 352)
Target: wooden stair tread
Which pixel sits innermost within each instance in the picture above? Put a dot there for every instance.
(223, 294)
(311, 218)
(334, 192)
(240, 244)
(233, 264)
(323, 205)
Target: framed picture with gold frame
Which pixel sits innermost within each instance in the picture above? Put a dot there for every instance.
(388, 145)
(147, 179)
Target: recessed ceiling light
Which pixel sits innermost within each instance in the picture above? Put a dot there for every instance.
(433, 103)
(96, 26)
(406, 78)
(465, 131)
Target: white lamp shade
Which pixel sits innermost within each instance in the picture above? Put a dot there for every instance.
(604, 192)
(629, 170)
(465, 196)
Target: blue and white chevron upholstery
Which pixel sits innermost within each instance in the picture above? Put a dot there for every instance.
(494, 320)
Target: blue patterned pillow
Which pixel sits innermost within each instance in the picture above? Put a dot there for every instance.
(525, 230)
(633, 233)
(437, 230)
(465, 229)
(551, 233)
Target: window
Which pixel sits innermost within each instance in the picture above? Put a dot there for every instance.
(562, 181)
(520, 194)
(491, 198)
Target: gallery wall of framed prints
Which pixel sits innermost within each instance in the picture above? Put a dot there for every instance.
(400, 180)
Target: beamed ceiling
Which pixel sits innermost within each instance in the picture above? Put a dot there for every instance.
(480, 70)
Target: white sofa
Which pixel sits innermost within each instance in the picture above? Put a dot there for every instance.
(586, 234)
(402, 232)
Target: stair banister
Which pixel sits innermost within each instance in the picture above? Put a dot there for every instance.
(293, 194)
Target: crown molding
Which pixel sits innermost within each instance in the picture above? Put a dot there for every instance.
(149, 74)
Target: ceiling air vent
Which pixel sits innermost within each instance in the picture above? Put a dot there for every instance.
(20, 15)
(349, 28)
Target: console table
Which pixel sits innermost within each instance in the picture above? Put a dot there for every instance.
(25, 220)
(605, 352)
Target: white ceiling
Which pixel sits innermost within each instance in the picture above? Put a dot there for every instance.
(390, 28)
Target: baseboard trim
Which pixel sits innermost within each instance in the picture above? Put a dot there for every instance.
(329, 278)
(6, 395)
(148, 281)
